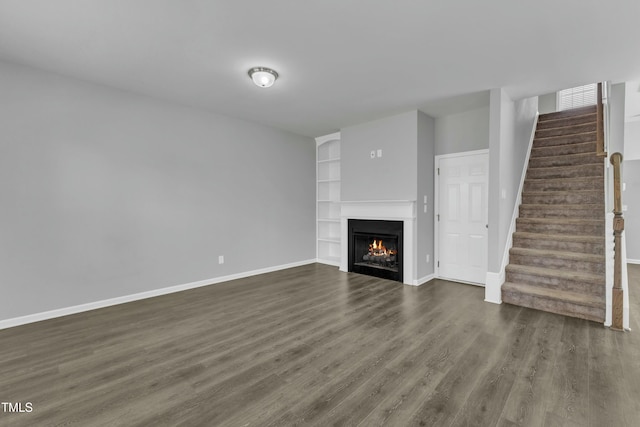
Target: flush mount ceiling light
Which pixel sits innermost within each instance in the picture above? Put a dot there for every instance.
(262, 76)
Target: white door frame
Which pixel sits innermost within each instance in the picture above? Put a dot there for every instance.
(436, 206)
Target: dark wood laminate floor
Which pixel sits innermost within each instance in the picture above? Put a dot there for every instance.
(315, 346)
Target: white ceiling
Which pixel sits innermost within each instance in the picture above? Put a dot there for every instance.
(341, 62)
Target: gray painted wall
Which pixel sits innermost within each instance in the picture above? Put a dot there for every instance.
(466, 131)
(632, 140)
(631, 198)
(426, 148)
(616, 118)
(408, 145)
(105, 194)
(360, 175)
(616, 131)
(547, 103)
(511, 124)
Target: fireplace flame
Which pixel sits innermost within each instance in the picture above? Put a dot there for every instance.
(378, 249)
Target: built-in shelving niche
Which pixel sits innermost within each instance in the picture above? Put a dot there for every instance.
(328, 199)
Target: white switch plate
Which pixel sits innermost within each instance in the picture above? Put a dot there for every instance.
(425, 208)
(624, 186)
(624, 208)
(379, 153)
(221, 259)
(427, 258)
(425, 199)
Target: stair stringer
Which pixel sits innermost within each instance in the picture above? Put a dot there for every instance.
(494, 281)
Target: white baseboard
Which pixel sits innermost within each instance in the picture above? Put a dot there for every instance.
(327, 262)
(423, 280)
(493, 288)
(633, 261)
(37, 317)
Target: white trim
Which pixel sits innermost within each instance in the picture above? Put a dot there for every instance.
(609, 257)
(326, 138)
(493, 288)
(462, 154)
(633, 261)
(37, 317)
(423, 280)
(465, 282)
(327, 262)
(436, 201)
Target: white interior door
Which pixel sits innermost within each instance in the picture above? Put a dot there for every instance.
(463, 217)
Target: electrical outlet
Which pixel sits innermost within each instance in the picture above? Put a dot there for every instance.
(425, 199)
(427, 258)
(425, 208)
(221, 259)
(373, 154)
(379, 153)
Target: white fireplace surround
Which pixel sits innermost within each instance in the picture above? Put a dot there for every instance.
(390, 210)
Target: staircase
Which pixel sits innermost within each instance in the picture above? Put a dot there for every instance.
(557, 261)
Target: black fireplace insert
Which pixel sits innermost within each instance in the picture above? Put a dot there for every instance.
(375, 248)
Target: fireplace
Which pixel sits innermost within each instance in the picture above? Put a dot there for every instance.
(375, 248)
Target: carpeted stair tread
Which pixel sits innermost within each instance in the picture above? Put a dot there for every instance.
(557, 254)
(556, 197)
(555, 141)
(568, 113)
(563, 237)
(565, 160)
(567, 221)
(567, 121)
(578, 171)
(560, 150)
(559, 294)
(559, 242)
(566, 130)
(570, 226)
(557, 301)
(556, 273)
(577, 183)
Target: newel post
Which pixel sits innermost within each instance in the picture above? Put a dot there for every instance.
(618, 228)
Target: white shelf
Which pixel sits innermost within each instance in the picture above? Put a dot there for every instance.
(330, 240)
(328, 232)
(337, 159)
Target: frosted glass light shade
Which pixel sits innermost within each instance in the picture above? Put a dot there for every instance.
(263, 77)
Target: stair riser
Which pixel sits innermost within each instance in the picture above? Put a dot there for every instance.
(591, 109)
(569, 198)
(558, 307)
(558, 263)
(560, 212)
(561, 150)
(564, 140)
(567, 121)
(582, 171)
(575, 229)
(593, 183)
(559, 245)
(568, 130)
(574, 285)
(566, 160)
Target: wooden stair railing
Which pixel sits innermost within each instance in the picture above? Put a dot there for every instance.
(618, 228)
